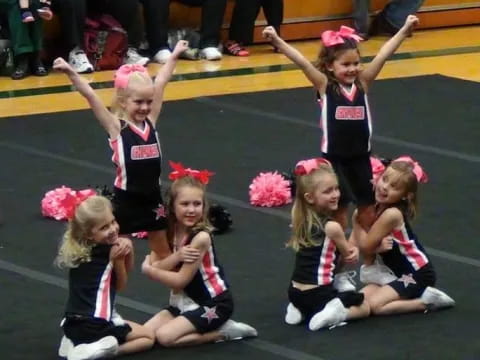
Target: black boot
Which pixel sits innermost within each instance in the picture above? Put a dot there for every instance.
(21, 67)
(36, 66)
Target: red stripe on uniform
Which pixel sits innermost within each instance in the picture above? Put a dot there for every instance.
(213, 281)
(326, 262)
(414, 255)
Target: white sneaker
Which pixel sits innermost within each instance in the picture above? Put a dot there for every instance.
(116, 318)
(162, 56)
(133, 57)
(436, 299)
(344, 281)
(293, 315)
(104, 348)
(376, 274)
(65, 346)
(210, 53)
(233, 330)
(333, 314)
(78, 60)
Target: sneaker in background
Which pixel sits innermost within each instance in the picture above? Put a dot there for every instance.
(210, 53)
(233, 330)
(344, 281)
(78, 60)
(436, 299)
(293, 315)
(162, 56)
(376, 274)
(133, 57)
(104, 348)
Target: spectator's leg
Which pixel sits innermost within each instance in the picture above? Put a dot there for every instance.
(360, 16)
(396, 11)
(156, 14)
(273, 10)
(243, 20)
(72, 14)
(212, 19)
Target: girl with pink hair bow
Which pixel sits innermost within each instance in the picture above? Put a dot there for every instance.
(130, 124)
(341, 87)
(410, 286)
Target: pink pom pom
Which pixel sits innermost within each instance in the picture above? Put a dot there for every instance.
(60, 203)
(270, 189)
(377, 168)
(140, 234)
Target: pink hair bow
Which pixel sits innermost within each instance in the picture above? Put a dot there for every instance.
(377, 168)
(331, 38)
(179, 171)
(305, 167)
(124, 72)
(420, 174)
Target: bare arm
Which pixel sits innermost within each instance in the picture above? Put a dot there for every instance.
(316, 77)
(374, 68)
(334, 231)
(162, 79)
(178, 280)
(383, 226)
(108, 121)
(187, 254)
(120, 273)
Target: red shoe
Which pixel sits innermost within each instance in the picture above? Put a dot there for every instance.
(235, 49)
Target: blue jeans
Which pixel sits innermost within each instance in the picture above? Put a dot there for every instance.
(395, 12)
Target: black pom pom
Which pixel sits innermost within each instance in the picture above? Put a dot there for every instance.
(220, 218)
(291, 178)
(104, 191)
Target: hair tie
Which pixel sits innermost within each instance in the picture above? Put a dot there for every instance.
(123, 74)
(305, 167)
(332, 38)
(420, 174)
(179, 171)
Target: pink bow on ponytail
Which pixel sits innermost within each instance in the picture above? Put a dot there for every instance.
(420, 174)
(123, 73)
(305, 167)
(331, 38)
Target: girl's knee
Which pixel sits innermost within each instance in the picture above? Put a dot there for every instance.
(164, 337)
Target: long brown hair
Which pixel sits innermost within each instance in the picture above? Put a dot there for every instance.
(177, 185)
(304, 216)
(409, 202)
(328, 54)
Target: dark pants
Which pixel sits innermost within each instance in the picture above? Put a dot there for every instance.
(25, 37)
(245, 13)
(212, 19)
(72, 14)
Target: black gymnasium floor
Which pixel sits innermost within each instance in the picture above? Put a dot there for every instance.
(432, 118)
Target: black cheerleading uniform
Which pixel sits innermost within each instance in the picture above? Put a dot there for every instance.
(210, 290)
(315, 265)
(409, 262)
(88, 313)
(346, 123)
(138, 203)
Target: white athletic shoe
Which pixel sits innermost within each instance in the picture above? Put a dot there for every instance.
(133, 57)
(376, 274)
(436, 299)
(210, 53)
(78, 60)
(104, 348)
(344, 281)
(234, 330)
(65, 346)
(116, 318)
(333, 314)
(162, 56)
(293, 315)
